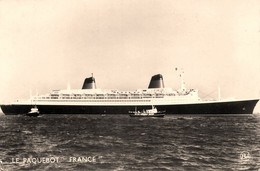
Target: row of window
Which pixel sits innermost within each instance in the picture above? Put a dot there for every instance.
(92, 100)
(180, 97)
(112, 95)
(55, 97)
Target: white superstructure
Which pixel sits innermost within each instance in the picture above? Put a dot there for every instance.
(115, 97)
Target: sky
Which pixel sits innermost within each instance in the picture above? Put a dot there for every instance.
(44, 45)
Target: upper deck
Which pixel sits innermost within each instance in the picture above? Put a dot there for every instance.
(116, 94)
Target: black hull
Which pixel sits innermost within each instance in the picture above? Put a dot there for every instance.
(230, 107)
(147, 116)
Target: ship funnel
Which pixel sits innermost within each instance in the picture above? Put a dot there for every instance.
(89, 83)
(156, 81)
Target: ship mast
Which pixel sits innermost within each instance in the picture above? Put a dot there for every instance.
(30, 93)
(219, 94)
(68, 86)
(183, 87)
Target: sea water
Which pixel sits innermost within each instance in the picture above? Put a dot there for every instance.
(120, 142)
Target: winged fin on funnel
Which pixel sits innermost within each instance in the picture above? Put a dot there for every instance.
(89, 83)
(156, 81)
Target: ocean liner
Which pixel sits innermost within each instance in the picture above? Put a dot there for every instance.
(91, 100)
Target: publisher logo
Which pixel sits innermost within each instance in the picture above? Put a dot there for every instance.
(245, 155)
